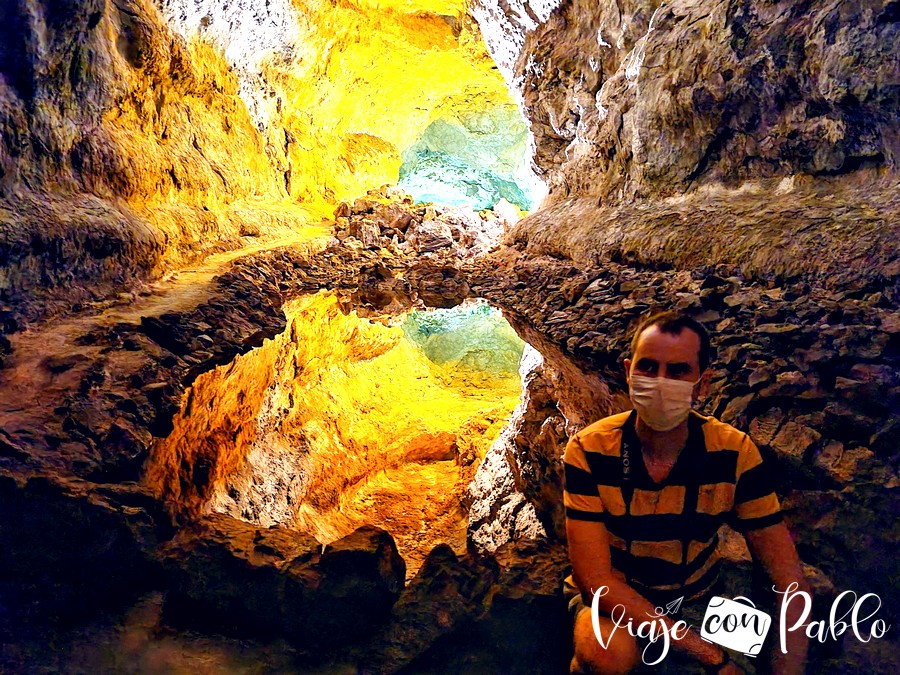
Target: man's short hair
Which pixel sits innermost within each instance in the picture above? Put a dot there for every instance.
(673, 323)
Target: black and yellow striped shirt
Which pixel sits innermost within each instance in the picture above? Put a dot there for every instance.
(663, 536)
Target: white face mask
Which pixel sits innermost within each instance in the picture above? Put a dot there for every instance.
(662, 403)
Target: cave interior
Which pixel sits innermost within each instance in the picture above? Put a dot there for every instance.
(301, 302)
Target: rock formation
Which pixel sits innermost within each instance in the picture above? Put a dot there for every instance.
(522, 471)
(652, 98)
(139, 137)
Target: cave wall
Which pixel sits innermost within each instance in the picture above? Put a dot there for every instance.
(514, 493)
(737, 161)
(138, 137)
(646, 98)
(475, 158)
(338, 90)
(125, 151)
(755, 134)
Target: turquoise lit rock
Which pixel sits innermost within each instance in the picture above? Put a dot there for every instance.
(476, 159)
(473, 337)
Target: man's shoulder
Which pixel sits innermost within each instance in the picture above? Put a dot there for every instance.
(720, 435)
(604, 435)
(611, 424)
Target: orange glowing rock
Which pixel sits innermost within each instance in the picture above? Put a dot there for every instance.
(335, 423)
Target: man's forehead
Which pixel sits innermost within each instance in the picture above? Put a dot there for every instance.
(654, 343)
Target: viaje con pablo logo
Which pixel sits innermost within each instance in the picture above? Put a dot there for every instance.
(741, 627)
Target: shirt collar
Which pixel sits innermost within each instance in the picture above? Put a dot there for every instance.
(694, 449)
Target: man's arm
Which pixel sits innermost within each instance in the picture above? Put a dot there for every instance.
(591, 569)
(773, 547)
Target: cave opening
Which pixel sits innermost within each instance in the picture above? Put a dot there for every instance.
(343, 421)
(417, 93)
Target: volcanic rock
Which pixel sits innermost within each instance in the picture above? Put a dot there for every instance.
(225, 572)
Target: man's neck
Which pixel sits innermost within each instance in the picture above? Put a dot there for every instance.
(661, 445)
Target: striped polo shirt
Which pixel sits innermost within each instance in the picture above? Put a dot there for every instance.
(663, 536)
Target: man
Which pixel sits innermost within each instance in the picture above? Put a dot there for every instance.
(646, 492)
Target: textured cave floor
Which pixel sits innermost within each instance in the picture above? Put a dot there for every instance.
(142, 640)
(138, 640)
(30, 392)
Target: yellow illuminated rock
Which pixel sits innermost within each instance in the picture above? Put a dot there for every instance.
(366, 82)
(155, 133)
(337, 422)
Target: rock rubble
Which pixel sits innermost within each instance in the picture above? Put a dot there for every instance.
(389, 218)
(230, 575)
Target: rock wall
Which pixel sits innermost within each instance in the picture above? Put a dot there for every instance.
(475, 158)
(646, 98)
(738, 161)
(336, 90)
(514, 492)
(690, 134)
(125, 151)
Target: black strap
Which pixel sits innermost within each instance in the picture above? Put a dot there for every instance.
(691, 498)
(696, 447)
(628, 437)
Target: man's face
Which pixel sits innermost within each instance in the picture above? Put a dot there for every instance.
(659, 354)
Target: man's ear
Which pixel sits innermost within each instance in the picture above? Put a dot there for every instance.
(628, 370)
